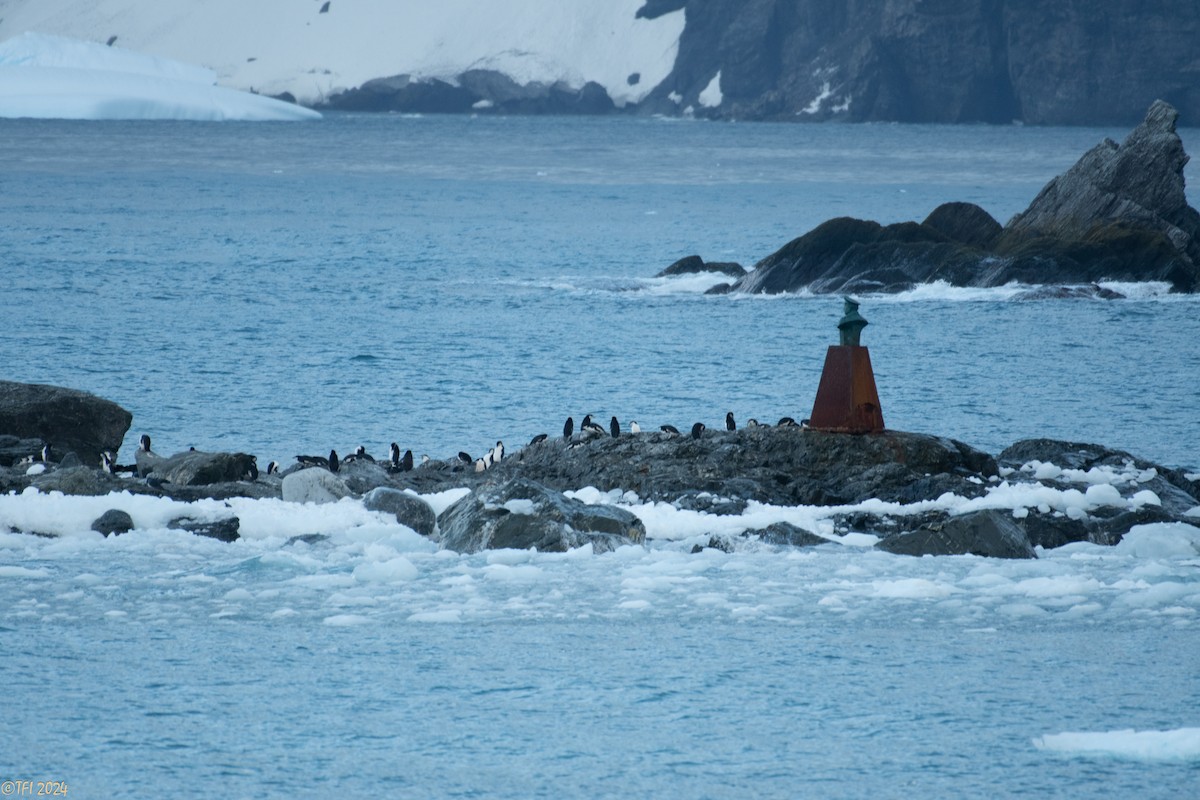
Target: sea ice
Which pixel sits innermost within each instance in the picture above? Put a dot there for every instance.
(1182, 744)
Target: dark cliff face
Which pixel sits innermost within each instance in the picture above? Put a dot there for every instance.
(1067, 62)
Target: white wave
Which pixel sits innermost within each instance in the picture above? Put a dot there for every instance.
(1182, 744)
(695, 283)
(1147, 290)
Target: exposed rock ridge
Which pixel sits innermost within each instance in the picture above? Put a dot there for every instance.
(934, 60)
(1119, 214)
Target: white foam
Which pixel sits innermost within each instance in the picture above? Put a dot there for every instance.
(1181, 744)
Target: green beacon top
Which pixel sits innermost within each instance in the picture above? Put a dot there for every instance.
(852, 323)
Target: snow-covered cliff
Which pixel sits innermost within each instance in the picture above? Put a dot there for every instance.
(314, 49)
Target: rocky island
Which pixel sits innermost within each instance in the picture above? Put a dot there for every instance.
(1119, 214)
(917, 493)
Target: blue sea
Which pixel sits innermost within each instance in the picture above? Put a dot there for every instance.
(447, 282)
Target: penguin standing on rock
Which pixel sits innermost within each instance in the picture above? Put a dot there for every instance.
(145, 458)
(568, 428)
(591, 428)
(698, 429)
(394, 452)
(730, 425)
(634, 427)
(614, 427)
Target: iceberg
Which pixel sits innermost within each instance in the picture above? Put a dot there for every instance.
(54, 77)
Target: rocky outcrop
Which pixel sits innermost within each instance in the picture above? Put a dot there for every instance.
(917, 61)
(693, 265)
(522, 514)
(113, 522)
(1130, 194)
(223, 530)
(68, 420)
(1119, 214)
(476, 91)
(779, 465)
(314, 485)
(1061, 463)
(408, 509)
(194, 468)
(991, 533)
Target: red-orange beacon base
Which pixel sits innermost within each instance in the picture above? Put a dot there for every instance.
(847, 401)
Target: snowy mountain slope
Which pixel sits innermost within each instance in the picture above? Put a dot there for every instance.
(277, 46)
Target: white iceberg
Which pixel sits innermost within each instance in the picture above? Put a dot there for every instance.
(53, 77)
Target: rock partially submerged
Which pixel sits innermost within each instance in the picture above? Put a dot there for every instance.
(992, 533)
(521, 514)
(68, 420)
(1119, 214)
(695, 265)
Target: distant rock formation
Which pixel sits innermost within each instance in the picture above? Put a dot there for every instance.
(477, 91)
(693, 265)
(68, 420)
(996, 61)
(1119, 214)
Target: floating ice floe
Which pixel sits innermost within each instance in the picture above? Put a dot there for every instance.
(52, 77)
(1182, 744)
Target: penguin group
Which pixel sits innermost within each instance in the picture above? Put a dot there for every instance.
(400, 462)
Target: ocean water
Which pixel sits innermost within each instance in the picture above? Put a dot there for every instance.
(447, 282)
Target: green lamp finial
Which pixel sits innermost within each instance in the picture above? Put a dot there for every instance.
(852, 323)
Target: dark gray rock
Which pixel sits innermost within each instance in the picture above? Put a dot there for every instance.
(361, 476)
(785, 534)
(778, 465)
(313, 485)
(1089, 292)
(693, 265)
(66, 419)
(113, 522)
(404, 93)
(992, 533)
(1127, 203)
(965, 223)
(1054, 529)
(522, 514)
(195, 468)
(1177, 493)
(408, 509)
(225, 490)
(87, 481)
(722, 543)
(476, 91)
(1120, 214)
(13, 449)
(224, 530)
(919, 61)
(710, 504)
